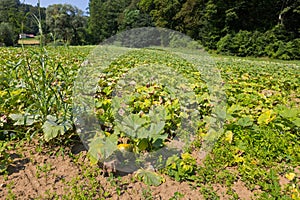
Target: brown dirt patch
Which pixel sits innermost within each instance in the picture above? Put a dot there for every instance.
(242, 191)
(65, 173)
(33, 173)
(51, 172)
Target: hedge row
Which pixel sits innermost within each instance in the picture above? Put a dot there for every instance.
(272, 44)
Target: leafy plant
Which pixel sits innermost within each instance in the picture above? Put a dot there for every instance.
(181, 169)
(4, 156)
(36, 86)
(54, 127)
(260, 144)
(149, 177)
(177, 195)
(150, 117)
(145, 133)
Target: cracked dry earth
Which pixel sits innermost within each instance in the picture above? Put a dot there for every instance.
(57, 173)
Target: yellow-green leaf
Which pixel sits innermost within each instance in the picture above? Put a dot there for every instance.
(265, 118)
(228, 136)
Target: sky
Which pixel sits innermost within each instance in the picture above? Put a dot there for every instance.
(82, 4)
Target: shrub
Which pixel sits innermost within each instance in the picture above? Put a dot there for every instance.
(272, 48)
(7, 35)
(272, 43)
(289, 50)
(240, 44)
(259, 43)
(223, 46)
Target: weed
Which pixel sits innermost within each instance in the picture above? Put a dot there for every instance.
(177, 196)
(147, 193)
(209, 193)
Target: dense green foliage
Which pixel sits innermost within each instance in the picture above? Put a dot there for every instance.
(36, 91)
(261, 140)
(59, 22)
(66, 24)
(260, 145)
(244, 28)
(21, 18)
(269, 44)
(7, 34)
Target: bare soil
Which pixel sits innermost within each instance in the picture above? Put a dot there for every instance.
(61, 173)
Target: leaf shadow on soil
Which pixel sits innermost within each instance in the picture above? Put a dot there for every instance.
(18, 163)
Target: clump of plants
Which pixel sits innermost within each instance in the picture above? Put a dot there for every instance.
(137, 128)
(181, 168)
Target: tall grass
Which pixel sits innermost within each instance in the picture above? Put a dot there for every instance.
(46, 88)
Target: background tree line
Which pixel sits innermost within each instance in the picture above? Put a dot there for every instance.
(16, 18)
(61, 23)
(234, 27)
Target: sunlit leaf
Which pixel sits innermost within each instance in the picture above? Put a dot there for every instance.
(52, 128)
(297, 122)
(228, 136)
(103, 148)
(27, 119)
(143, 144)
(245, 121)
(265, 118)
(149, 177)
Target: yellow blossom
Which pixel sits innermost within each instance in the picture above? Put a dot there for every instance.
(229, 136)
(125, 147)
(186, 156)
(290, 176)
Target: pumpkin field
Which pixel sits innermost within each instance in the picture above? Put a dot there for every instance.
(42, 156)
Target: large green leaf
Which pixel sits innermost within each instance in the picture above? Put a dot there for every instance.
(157, 114)
(24, 119)
(289, 113)
(52, 128)
(297, 122)
(245, 121)
(103, 148)
(143, 144)
(131, 124)
(134, 121)
(154, 131)
(234, 108)
(149, 177)
(265, 118)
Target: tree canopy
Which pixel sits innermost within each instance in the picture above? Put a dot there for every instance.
(66, 23)
(238, 27)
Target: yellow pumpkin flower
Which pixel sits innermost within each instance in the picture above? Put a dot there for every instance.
(125, 147)
(290, 176)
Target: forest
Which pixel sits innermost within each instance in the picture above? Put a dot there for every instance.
(260, 28)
